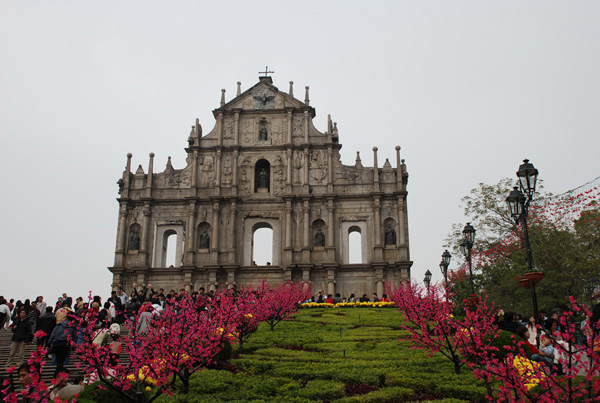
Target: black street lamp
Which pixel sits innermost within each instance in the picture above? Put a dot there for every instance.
(427, 279)
(518, 205)
(466, 246)
(446, 256)
(589, 288)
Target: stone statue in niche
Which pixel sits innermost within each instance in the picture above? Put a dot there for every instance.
(204, 240)
(263, 179)
(319, 238)
(390, 235)
(134, 240)
(262, 134)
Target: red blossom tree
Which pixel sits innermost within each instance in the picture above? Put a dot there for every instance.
(503, 363)
(282, 301)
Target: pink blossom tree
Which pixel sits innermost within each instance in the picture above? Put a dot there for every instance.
(182, 339)
(282, 301)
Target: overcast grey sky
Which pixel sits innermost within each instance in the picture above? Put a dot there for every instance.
(466, 88)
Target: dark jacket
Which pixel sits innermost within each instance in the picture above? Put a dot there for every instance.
(61, 334)
(22, 330)
(47, 322)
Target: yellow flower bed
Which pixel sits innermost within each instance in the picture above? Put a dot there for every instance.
(381, 304)
(530, 370)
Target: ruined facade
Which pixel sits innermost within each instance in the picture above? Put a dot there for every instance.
(264, 165)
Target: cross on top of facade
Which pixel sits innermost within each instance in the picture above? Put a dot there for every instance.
(266, 72)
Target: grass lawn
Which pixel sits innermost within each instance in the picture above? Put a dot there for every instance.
(338, 355)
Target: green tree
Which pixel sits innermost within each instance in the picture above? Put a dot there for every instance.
(568, 253)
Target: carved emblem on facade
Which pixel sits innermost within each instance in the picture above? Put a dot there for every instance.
(263, 99)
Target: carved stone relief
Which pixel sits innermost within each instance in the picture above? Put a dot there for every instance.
(247, 129)
(207, 171)
(318, 166)
(298, 165)
(227, 170)
(279, 131)
(298, 127)
(263, 98)
(228, 128)
(245, 174)
(279, 175)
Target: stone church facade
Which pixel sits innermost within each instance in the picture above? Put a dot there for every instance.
(264, 165)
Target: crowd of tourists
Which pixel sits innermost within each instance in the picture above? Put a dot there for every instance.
(543, 337)
(25, 319)
(321, 298)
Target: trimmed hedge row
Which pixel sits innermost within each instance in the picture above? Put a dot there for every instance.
(345, 355)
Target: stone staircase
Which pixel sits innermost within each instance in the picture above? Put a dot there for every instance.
(48, 369)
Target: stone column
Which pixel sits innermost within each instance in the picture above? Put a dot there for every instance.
(377, 208)
(375, 171)
(194, 179)
(188, 259)
(289, 170)
(402, 221)
(144, 245)
(121, 234)
(218, 169)
(398, 169)
(126, 175)
(236, 128)
(306, 127)
(288, 223)
(289, 127)
(234, 179)
(330, 223)
(214, 239)
(232, 216)
(220, 130)
(150, 175)
(306, 164)
(306, 209)
(329, 170)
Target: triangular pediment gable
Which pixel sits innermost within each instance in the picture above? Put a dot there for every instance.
(263, 95)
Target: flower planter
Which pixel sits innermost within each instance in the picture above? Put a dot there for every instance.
(473, 299)
(525, 283)
(535, 276)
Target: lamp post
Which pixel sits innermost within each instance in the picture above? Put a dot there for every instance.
(427, 280)
(466, 246)
(518, 206)
(446, 256)
(589, 288)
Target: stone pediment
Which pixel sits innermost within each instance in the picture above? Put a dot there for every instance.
(260, 97)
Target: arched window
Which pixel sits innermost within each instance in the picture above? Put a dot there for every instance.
(354, 245)
(262, 245)
(170, 249)
(262, 176)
